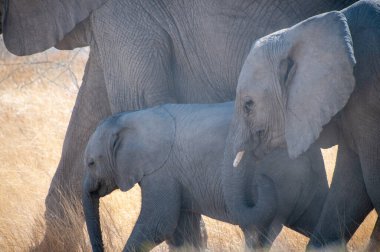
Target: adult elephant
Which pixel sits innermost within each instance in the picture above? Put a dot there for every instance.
(143, 53)
(323, 72)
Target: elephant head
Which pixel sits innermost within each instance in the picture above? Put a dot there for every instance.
(31, 26)
(291, 84)
(122, 150)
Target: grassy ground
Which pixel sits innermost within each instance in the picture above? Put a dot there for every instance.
(36, 97)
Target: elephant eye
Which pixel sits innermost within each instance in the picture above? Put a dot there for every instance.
(91, 163)
(248, 105)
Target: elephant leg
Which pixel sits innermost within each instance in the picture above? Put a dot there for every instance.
(371, 172)
(257, 238)
(190, 232)
(368, 139)
(369, 152)
(374, 242)
(159, 215)
(308, 221)
(347, 202)
(64, 217)
(312, 205)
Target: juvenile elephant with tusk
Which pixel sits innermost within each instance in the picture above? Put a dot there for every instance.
(319, 81)
(176, 155)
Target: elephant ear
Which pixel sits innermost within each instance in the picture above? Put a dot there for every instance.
(32, 26)
(142, 144)
(323, 80)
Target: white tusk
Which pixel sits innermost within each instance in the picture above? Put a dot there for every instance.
(238, 158)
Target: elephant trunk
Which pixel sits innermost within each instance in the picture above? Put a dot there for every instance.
(90, 202)
(250, 199)
(238, 139)
(242, 140)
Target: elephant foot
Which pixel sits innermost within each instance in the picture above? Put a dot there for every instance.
(326, 247)
(61, 239)
(374, 242)
(373, 245)
(190, 234)
(64, 223)
(61, 236)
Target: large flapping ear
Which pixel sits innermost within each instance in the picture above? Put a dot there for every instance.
(31, 26)
(143, 143)
(323, 80)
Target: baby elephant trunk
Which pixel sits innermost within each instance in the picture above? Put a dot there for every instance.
(90, 200)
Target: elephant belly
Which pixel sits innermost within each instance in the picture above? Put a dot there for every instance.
(206, 202)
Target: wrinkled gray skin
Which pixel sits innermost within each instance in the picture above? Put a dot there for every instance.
(143, 53)
(175, 153)
(320, 76)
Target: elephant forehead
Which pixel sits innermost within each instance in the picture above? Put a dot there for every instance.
(97, 141)
(257, 68)
(254, 83)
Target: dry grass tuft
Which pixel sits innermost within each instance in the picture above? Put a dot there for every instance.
(37, 94)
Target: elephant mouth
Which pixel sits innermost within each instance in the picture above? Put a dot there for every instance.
(259, 146)
(263, 143)
(100, 190)
(256, 146)
(259, 153)
(105, 189)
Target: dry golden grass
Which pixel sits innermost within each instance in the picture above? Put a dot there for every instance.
(36, 97)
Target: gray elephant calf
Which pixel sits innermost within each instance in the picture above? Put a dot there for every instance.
(176, 154)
